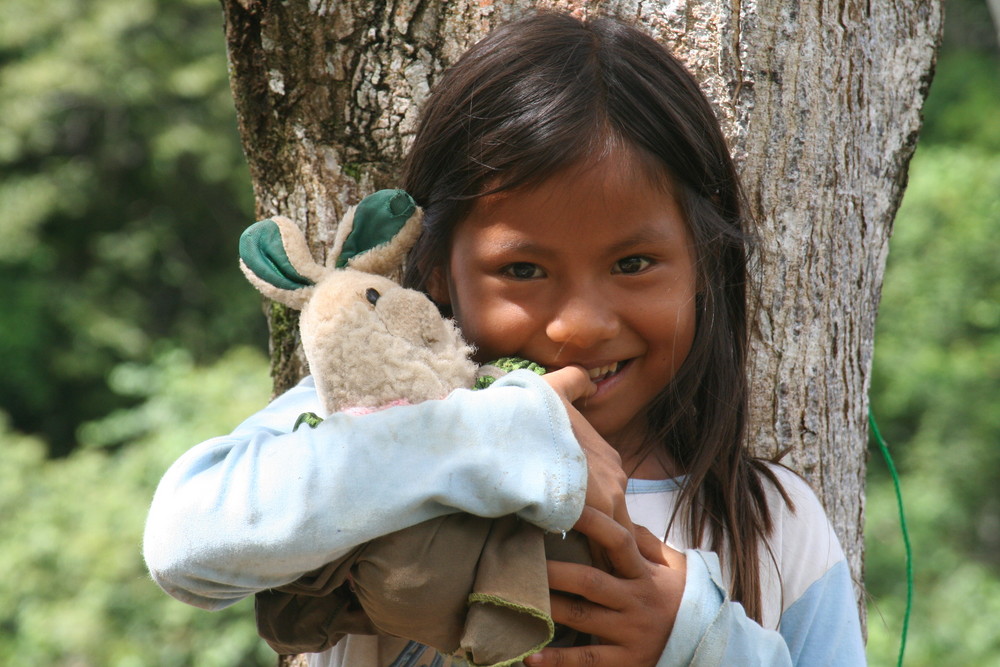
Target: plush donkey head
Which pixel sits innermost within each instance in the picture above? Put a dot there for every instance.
(369, 342)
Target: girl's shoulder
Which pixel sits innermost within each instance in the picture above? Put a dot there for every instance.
(789, 491)
(797, 515)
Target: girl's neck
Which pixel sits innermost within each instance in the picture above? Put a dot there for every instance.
(641, 458)
(652, 465)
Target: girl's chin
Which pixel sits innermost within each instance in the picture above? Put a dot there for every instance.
(625, 435)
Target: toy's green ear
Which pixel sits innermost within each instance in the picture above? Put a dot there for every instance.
(378, 232)
(264, 254)
(377, 219)
(275, 258)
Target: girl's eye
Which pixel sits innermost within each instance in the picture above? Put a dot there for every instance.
(523, 271)
(633, 264)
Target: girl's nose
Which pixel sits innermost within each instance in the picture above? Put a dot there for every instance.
(583, 322)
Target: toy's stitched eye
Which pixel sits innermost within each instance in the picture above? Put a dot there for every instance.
(372, 295)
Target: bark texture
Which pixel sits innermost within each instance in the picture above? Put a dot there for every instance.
(820, 100)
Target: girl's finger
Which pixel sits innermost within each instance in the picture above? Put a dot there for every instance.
(586, 582)
(649, 545)
(582, 615)
(617, 540)
(653, 549)
(606, 481)
(580, 656)
(571, 382)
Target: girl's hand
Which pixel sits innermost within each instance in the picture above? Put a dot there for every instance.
(606, 481)
(629, 611)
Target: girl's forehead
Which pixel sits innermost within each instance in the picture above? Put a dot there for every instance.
(606, 177)
(598, 205)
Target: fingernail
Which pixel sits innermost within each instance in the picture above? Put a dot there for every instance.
(533, 659)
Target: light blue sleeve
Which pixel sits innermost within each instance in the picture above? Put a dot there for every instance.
(260, 507)
(821, 628)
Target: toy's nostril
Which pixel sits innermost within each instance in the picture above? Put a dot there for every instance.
(372, 295)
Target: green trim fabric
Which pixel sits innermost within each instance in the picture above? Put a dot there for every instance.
(483, 598)
(377, 219)
(263, 251)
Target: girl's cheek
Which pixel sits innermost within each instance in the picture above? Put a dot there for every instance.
(496, 332)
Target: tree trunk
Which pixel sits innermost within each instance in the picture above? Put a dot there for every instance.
(821, 103)
(994, 7)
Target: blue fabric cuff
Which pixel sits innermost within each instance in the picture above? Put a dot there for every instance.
(569, 481)
(697, 633)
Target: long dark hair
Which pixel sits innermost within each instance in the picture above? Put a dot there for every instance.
(549, 91)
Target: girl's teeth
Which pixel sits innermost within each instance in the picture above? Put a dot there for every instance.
(603, 371)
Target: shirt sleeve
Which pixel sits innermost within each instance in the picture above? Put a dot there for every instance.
(819, 624)
(710, 630)
(821, 628)
(260, 507)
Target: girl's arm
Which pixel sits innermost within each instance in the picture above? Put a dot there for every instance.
(644, 616)
(820, 628)
(260, 507)
(636, 614)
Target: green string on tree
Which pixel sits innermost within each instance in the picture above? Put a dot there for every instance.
(906, 533)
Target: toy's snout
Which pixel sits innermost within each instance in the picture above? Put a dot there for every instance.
(370, 342)
(411, 316)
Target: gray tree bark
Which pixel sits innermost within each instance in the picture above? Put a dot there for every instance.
(994, 7)
(820, 100)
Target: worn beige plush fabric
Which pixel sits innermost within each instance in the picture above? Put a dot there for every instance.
(461, 584)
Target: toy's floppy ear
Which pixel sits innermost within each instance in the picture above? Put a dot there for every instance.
(276, 260)
(375, 235)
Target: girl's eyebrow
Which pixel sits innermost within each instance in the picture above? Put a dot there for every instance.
(642, 237)
(525, 245)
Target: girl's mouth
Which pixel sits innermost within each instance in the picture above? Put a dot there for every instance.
(602, 373)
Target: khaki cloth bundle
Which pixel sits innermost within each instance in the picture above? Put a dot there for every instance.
(462, 584)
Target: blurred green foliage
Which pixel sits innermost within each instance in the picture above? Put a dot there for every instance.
(936, 375)
(123, 187)
(75, 590)
(123, 190)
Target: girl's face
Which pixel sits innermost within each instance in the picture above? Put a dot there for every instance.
(593, 267)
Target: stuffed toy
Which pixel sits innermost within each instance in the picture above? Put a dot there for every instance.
(478, 588)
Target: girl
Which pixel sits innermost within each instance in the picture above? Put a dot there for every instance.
(582, 211)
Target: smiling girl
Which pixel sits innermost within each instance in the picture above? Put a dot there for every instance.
(582, 211)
